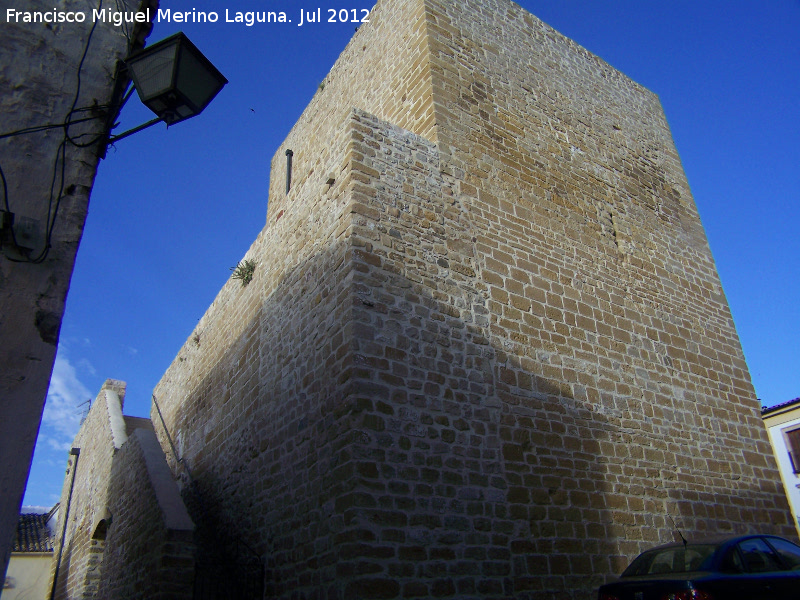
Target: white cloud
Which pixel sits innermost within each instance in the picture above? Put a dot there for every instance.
(66, 403)
(40, 510)
(55, 444)
(87, 367)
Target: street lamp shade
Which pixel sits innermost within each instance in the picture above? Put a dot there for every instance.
(174, 79)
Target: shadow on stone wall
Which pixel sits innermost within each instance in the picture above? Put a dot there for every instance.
(394, 421)
(426, 461)
(63, 571)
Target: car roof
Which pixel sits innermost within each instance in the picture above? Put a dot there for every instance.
(715, 540)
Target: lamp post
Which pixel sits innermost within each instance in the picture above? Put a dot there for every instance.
(174, 80)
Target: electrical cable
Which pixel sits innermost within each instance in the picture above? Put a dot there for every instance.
(74, 142)
(5, 201)
(122, 7)
(54, 202)
(68, 118)
(38, 128)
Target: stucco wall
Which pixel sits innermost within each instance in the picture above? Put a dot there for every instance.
(28, 576)
(776, 425)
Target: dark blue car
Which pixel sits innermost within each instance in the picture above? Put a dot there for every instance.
(747, 567)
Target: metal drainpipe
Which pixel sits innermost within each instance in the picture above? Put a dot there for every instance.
(76, 453)
(169, 439)
(289, 155)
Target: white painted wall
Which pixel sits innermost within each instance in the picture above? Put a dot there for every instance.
(28, 576)
(790, 480)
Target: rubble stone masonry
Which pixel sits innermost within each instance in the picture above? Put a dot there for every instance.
(149, 548)
(127, 534)
(485, 352)
(85, 496)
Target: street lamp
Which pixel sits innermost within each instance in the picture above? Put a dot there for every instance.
(174, 80)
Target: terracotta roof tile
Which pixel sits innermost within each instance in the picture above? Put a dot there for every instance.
(33, 535)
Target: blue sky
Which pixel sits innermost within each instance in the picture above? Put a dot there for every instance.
(173, 210)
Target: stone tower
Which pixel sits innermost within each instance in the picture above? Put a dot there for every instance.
(485, 352)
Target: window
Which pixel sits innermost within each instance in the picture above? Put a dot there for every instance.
(789, 553)
(793, 445)
(672, 559)
(732, 563)
(758, 557)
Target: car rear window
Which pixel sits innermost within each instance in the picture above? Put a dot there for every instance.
(758, 557)
(790, 553)
(675, 559)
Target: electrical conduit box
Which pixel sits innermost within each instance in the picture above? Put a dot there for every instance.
(24, 233)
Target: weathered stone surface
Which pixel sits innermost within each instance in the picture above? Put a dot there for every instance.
(128, 534)
(492, 358)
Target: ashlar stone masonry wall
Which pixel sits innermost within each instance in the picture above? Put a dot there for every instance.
(84, 497)
(128, 534)
(149, 546)
(485, 353)
(600, 279)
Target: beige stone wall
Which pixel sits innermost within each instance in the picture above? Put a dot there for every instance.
(255, 413)
(485, 352)
(84, 497)
(476, 449)
(602, 288)
(127, 534)
(149, 547)
(385, 71)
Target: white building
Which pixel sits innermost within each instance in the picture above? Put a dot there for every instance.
(783, 425)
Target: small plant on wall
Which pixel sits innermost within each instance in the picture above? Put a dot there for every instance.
(243, 271)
